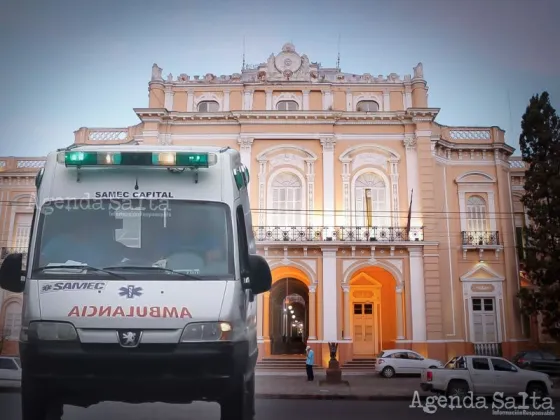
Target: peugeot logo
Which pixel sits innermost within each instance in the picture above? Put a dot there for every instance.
(129, 338)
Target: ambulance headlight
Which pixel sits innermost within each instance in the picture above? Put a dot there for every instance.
(206, 331)
(49, 331)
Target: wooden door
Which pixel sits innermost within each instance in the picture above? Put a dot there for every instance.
(365, 342)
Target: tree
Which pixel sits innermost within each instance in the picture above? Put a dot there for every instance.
(540, 149)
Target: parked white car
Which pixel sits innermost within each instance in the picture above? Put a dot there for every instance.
(10, 372)
(484, 376)
(403, 362)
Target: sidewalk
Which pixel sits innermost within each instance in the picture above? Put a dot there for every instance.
(357, 387)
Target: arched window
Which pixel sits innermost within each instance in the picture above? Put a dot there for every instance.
(287, 106)
(12, 321)
(371, 203)
(476, 214)
(287, 200)
(367, 106)
(208, 106)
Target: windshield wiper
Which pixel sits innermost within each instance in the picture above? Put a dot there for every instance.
(165, 270)
(77, 267)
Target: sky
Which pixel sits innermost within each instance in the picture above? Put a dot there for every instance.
(67, 64)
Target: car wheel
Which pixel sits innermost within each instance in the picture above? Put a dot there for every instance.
(388, 372)
(457, 389)
(433, 367)
(537, 390)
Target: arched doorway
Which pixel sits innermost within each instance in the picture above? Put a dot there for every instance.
(289, 316)
(373, 311)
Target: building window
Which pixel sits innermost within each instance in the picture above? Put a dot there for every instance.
(208, 106)
(367, 106)
(484, 320)
(371, 203)
(287, 200)
(12, 321)
(287, 106)
(22, 231)
(476, 214)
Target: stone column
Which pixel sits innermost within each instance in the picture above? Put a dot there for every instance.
(245, 146)
(312, 313)
(349, 101)
(262, 192)
(269, 100)
(226, 100)
(400, 319)
(347, 312)
(169, 98)
(266, 315)
(418, 294)
(394, 164)
(413, 183)
(190, 101)
(306, 100)
(407, 96)
(247, 103)
(310, 177)
(327, 99)
(328, 181)
(330, 297)
(260, 316)
(386, 101)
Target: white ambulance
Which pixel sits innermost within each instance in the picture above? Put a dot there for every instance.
(140, 281)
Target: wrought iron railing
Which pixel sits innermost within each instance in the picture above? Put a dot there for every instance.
(337, 233)
(488, 349)
(480, 238)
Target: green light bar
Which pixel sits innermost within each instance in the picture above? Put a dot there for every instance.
(164, 159)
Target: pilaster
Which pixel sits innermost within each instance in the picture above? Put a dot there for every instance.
(330, 296)
(328, 144)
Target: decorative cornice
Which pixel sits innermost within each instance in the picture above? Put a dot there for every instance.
(273, 117)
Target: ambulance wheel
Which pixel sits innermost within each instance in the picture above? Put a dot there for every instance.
(37, 404)
(240, 403)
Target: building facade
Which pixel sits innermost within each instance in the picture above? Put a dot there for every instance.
(383, 228)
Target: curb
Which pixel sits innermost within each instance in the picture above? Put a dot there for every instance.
(328, 397)
(334, 397)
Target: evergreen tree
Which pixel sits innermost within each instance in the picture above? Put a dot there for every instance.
(540, 148)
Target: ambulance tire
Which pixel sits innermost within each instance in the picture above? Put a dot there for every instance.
(36, 403)
(240, 404)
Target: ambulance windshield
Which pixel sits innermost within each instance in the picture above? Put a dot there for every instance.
(138, 239)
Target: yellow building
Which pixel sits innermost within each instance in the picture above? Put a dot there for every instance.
(336, 161)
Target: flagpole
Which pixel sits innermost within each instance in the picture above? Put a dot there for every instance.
(409, 216)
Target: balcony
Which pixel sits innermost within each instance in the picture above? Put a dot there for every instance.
(336, 234)
(481, 241)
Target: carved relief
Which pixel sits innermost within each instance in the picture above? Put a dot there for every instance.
(369, 159)
(288, 159)
(289, 65)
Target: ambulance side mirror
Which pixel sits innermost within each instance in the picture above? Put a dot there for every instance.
(260, 275)
(11, 273)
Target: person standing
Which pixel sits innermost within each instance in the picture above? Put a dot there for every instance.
(309, 363)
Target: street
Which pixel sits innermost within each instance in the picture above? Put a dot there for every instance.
(266, 409)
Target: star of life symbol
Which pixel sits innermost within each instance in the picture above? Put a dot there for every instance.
(129, 338)
(130, 291)
(47, 287)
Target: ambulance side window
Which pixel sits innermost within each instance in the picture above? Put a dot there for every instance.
(242, 243)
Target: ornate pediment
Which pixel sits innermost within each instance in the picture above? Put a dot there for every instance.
(288, 65)
(482, 272)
